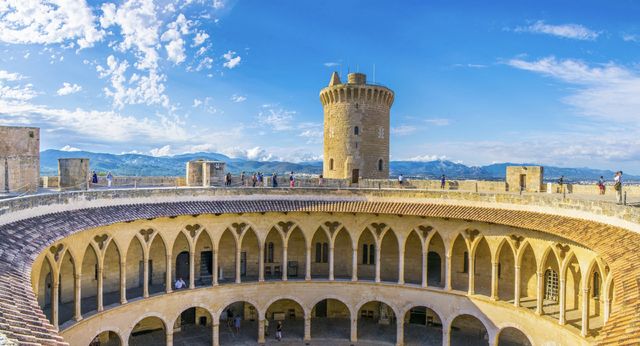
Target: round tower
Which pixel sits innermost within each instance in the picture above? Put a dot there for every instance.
(356, 128)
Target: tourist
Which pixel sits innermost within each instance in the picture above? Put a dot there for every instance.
(279, 331)
(561, 183)
(94, 177)
(254, 180)
(292, 180)
(400, 179)
(260, 177)
(274, 180)
(180, 284)
(228, 180)
(242, 178)
(320, 180)
(109, 179)
(236, 323)
(601, 185)
(229, 319)
(617, 185)
(443, 182)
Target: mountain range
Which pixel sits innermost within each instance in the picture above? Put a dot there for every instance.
(145, 165)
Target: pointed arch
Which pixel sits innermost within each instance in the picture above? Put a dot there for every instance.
(296, 253)
(250, 248)
(273, 254)
(436, 256)
(157, 263)
(459, 264)
(89, 278)
(203, 259)
(111, 273)
(66, 282)
(342, 254)
(482, 267)
(389, 256)
(226, 248)
(320, 244)
(367, 246)
(135, 271)
(413, 251)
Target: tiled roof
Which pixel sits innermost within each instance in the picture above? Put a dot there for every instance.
(22, 321)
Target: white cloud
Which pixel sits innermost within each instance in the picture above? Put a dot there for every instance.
(238, 98)
(630, 38)
(427, 158)
(606, 92)
(196, 103)
(11, 91)
(43, 22)
(253, 154)
(331, 64)
(572, 31)
(10, 76)
(68, 88)
(231, 60)
(403, 130)
(200, 38)
(277, 119)
(164, 151)
(69, 148)
(175, 47)
(437, 121)
(218, 4)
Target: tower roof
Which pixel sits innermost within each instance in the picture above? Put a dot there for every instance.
(335, 79)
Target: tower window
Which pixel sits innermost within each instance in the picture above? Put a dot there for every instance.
(331, 164)
(356, 131)
(380, 165)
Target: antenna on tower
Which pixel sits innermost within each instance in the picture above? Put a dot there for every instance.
(374, 73)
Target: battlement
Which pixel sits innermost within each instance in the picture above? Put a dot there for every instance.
(355, 90)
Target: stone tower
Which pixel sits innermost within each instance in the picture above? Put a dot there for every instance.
(356, 128)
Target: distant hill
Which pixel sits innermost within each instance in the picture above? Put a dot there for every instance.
(145, 165)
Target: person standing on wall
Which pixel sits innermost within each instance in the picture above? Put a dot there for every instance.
(443, 182)
(242, 178)
(601, 185)
(292, 180)
(400, 179)
(617, 185)
(274, 180)
(109, 179)
(561, 183)
(94, 178)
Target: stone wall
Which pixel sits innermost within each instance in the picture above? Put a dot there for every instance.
(73, 174)
(19, 159)
(526, 178)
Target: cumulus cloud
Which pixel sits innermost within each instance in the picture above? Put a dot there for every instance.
(164, 151)
(175, 47)
(606, 91)
(437, 121)
(12, 91)
(571, 31)
(427, 158)
(238, 98)
(10, 76)
(218, 4)
(277, 119)
(200, 38)
(40, 22)
(231, 60)
(331, 64)
(253, 154)
(68, 89)
(69, 148)
(403, 130)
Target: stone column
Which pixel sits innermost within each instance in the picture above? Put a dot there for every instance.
(55, 299)
(425, 255)
(401, 265)
(540, 293)
(354, 328)
(378, 252)
(472, 275)
(169, 334)
(214, 268)
(145, 284)
(100, 288)
(261, 339)
(77, 294)
(446, 335)
(447, 272)
(494, 281)
(307, 328)
(516, 288)
(284, 263)
(561, 319)
(354, 265)
(168, 282)
(261, 264)
(607, 309)
(192, 269)
(307, 267)
(238, 254)
(123, 282)
(585, 312)
(331, 263)
(215, 333)
(399, 332)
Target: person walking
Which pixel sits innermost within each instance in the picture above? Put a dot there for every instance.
(292, 180)
(400, 179)
(229, 179)
(320, 180)
(279, 331)
(242, 178)
(254, 179)
(274, 180)
(601, 185)
(443, 182)
(617, 185)
(109, 179)
(561, 183)
(236, 323)
(94, 178)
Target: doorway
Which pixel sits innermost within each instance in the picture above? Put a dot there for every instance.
(182, 266)
(355, 174)
(321, 308)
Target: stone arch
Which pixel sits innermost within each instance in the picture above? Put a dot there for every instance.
(513, 335)
(226, 248)
(482, 267)
(66, 285)
(336, 316)
(135, 271)
(373, 311)
(459, 263)
(297, 245)
(320, 247)
(549, 267)
(294, 314)
(469, 327)
(194, 321)
(250, 247)
(142, 328)
(89, 278)
(111, 333)
(111, 259)
(157, 254)
(45, 286)
(389, 256)
(506, 262)
(274, 254)
(593, 284)
(422, 324)
(342, 254)
(203, 259)
(572, 274)
(436, 257)
(366, 256)
(413, 261)
(528, 264)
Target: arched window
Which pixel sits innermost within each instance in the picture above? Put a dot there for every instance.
(331, 164)
(380, 165)
(551, 285)
(356, 131)
(368, 254)
(322, 252)
(596, 285)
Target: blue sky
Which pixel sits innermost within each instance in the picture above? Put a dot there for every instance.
(550, 82)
